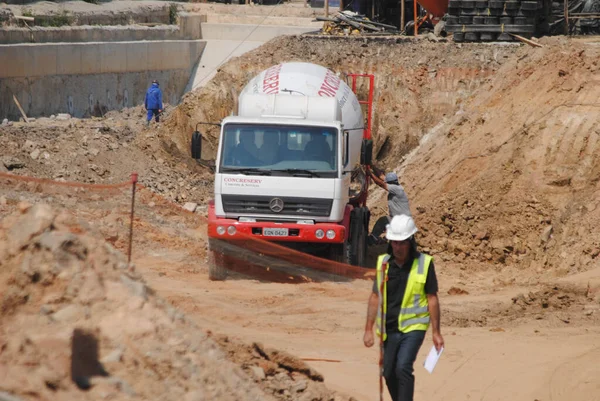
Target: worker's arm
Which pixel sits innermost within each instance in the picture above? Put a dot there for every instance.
(369, 339)
(378, 180)
(434, 313)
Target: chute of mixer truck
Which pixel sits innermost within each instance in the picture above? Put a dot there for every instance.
(291, 166)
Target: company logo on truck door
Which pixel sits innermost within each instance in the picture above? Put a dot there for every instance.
(242, 182)
(271, 80)
(330, 85)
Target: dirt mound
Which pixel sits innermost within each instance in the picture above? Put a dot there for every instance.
(553, 298)
(417, 84)
(99, 151)
(512, 180)
(550, 305)
(75, 316)
(278, 373)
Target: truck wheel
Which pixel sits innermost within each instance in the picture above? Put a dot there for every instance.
(358, 236)
(340, 252)
(196, 146)
(216, 264)
(216, 270)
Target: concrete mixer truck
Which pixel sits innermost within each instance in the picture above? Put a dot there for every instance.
(291, 165)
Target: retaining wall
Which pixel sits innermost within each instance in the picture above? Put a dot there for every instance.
(85, 79)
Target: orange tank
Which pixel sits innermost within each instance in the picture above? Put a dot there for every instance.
(435, 7)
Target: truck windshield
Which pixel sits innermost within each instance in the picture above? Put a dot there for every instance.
(280, 149)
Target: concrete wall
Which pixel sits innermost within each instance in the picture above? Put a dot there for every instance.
(86, 95)
(89, 78)
(79, 13)
(188, 28)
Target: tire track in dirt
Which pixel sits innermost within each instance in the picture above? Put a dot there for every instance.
(577, 378)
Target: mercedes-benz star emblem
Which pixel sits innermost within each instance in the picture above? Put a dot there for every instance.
(276, 205)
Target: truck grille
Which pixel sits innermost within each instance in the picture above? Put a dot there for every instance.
(242, 204)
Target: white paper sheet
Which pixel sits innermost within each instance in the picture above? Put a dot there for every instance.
(432, 359)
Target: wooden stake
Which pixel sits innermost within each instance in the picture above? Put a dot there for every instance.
(415, 16)
(525, 40)
(20, 109)
(566, 17)
(402, 15)
(20, 17)
(320, 360)
(327, 8)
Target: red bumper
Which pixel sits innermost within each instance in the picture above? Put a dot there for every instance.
(296, 232)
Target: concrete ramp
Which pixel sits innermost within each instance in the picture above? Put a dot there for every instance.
(91, 78)
(226, 41)
(217, 52)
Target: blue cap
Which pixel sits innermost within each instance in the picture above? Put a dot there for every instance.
(391, 177)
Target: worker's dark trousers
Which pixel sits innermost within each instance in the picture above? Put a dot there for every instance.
(152, 112)
(400, 351)
(379, 227)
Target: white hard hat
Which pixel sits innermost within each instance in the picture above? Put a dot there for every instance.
(401, 227)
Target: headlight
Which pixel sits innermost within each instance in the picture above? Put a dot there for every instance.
(320, 233)
(220, 230)
(330, 234)
(231, 230)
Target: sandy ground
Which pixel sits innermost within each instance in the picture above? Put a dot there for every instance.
(541, 359)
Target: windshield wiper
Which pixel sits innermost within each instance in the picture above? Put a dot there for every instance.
(246, 170)
(299, 171)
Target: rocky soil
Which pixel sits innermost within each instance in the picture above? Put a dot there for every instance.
(78, 322)
(102, 150)
(508, 184)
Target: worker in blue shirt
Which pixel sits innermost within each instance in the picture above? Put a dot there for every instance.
(153, 103)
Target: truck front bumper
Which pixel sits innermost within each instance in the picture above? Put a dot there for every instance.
(231, 229)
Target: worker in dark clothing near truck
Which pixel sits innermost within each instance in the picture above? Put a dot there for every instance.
(153, 102)
(397, 204)
(404, 303)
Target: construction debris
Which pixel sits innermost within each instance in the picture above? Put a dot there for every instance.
(351, 23)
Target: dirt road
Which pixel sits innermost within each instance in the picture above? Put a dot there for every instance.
(542, 359)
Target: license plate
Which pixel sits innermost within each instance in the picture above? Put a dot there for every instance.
(275, 232)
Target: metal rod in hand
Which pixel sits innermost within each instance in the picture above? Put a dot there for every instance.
(382, 306)
(134, 178)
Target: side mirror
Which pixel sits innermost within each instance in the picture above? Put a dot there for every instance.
(366, 152)
(196, 145)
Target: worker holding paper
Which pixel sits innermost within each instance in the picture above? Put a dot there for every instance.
(404, 303)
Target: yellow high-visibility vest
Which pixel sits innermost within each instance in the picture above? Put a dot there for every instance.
(414, 311)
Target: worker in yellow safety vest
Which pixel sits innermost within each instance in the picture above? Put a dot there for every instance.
(404, 303)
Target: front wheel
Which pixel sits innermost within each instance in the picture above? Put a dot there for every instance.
(216, 264)
(359, 225)
(340, 252)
